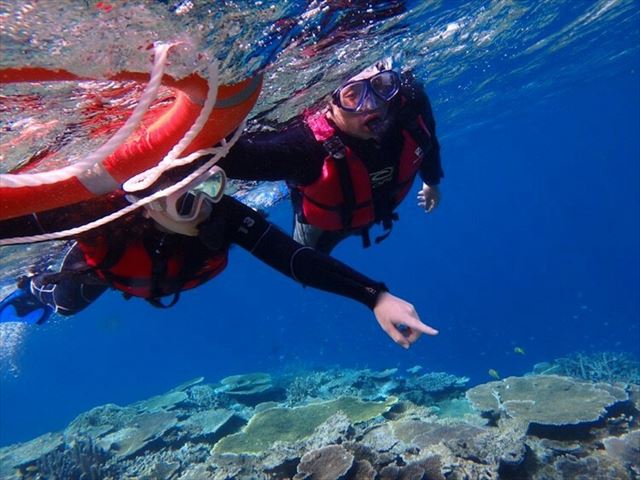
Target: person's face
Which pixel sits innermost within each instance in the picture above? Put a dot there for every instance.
(360, 106)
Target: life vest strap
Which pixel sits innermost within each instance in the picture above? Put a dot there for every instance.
(387, 224)
(159, 261)
(334, 147)
(366, 239)
(348, 194)
(337, 150)
(157, 301)
(335, 208)
(159, 277)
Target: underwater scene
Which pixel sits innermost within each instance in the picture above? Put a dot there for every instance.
(529, 267)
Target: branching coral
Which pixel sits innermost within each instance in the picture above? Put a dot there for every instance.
(78, 460)
(596, 367)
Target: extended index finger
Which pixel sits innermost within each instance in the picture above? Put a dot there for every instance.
(416, 324)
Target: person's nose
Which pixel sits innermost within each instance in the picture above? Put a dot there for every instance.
(371, 103)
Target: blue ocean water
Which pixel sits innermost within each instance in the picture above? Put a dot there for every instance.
(536, 243)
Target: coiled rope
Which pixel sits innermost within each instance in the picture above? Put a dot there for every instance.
(147, 178)
(149, 94)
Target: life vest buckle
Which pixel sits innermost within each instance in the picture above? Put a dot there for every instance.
(334, 146)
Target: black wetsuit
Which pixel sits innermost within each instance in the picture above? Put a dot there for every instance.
(230, 222)
(294, 155)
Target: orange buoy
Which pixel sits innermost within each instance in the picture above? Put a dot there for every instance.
(148, 145)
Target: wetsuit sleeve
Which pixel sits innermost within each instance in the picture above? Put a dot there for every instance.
(292, 154)
(305, 265)
(431, 169)
(418, 105)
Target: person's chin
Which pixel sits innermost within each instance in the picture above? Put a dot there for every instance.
(366, 134)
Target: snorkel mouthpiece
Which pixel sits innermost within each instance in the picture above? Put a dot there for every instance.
(378, 126)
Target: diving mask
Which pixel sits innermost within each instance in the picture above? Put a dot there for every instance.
(364, 94)
(182, 211)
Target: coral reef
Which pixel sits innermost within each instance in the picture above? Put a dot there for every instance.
(139, 435)
(596, 367)
(76, 459)
(246, 384)
(540, 427)
(625, 449)
(295, 424)
(372, 385)
(546, 399)
(251, 388)
(161, 402)
(79, 459)
(27, 454)
(326, 463)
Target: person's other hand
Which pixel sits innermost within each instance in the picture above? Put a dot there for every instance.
(429, 197)
(400, 320)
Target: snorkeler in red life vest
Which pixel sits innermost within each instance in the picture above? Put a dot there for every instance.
(350, 165)
(179, 243)
(363, 142)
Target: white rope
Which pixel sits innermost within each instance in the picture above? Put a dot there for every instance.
(171, 160)
(149, 95)
(217, 152)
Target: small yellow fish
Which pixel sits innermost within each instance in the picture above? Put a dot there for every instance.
(519, 350)
(494, 373)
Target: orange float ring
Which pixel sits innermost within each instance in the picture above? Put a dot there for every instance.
(148, 145)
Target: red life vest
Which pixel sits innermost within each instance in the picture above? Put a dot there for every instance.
(342, 197)
(138, 271)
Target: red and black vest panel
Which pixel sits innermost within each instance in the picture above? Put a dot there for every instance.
(137, 272)
(325, 201)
